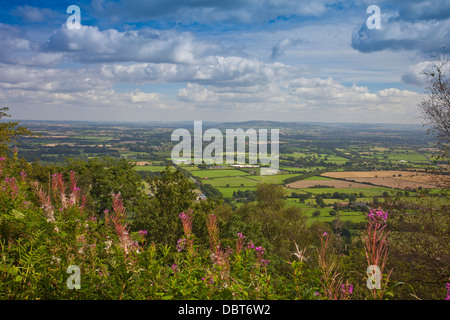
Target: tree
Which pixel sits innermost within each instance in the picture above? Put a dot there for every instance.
(320, 202)
(419, 245)
(316, 214)
(171, 194)
(271, 223)
(352, 197)
(436, 109)
(269, 195)
(9, 131)
(106, 176)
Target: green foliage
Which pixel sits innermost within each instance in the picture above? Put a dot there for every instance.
(106, 176)
(419, 245)
(40, 240)
(171, 193)
(9, 131)
(189, 249)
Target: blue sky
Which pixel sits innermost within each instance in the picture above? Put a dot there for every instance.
(285, 60)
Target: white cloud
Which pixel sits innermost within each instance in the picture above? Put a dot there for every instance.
(212, 70)
(422, 26)
(91, 45)
(16, 49)
(226, 75)
(414, 74)
(49, 80)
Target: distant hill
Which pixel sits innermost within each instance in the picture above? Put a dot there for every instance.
(310, 127)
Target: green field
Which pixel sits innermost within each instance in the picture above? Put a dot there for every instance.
(409, 157)
(228, 192)
(370, 192)
(275, 179)
(212, 173)
(324, 213)
(150, 168)
(318, 178)
(232, 182)
(295, 169)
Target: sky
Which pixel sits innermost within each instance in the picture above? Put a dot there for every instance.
(227, 60)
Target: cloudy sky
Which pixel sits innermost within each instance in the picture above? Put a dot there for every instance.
(211, 60)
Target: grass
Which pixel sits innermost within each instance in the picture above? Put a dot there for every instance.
(275, 179)
(300, 155)
(318, 178)
(150, 168)
(232, 182)
(218, 173)
(369, 192)
(296, 169)
(228, 192)
(409, 157)
(334, 159)
(324, 213)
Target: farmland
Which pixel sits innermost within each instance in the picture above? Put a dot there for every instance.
(326, 183)
(359, 162)
(391, 178)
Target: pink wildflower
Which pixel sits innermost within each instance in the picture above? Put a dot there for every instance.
(181, 244)
(448, 291)
(378, 215)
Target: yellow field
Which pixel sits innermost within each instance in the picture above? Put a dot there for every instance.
(391, 178)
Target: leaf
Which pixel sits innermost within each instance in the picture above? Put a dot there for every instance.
(225, 294)
(17, 214)
(13, 270)
(389, 291)
(18, 278)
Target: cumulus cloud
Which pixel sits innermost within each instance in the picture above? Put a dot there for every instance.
(91, 45)
(51, 80)
(414, 74)
(17, 49)
(212, 70)
(426, 36)
(415, 25)
(80, 69)
(316, 98)
(424, 9)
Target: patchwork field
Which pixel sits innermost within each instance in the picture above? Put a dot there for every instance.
(218, 173)
(391, 178)
(329, 183)
(238, 181)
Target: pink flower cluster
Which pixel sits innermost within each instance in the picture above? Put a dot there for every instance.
(186, 220)
(181, 244)
(378, 215)
(121, 226)
(240, 242)
(259, 254)
(143, 233)
(447, 286)
(347, 288)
